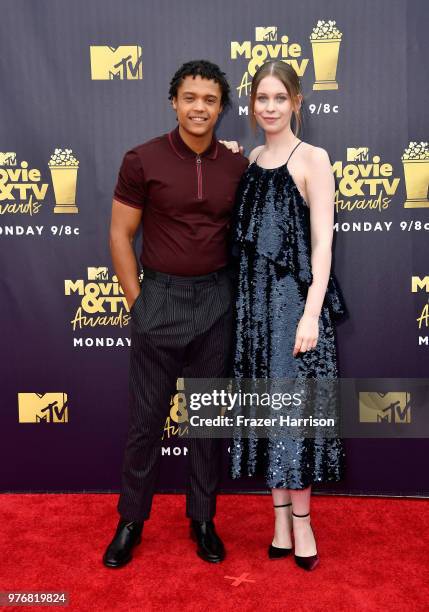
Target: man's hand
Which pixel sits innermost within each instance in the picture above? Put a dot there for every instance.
(233, 146)
(131, 301)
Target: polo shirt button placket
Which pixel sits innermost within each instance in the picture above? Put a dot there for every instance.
(199, 178)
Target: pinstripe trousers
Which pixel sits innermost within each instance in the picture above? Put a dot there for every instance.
(180, 326)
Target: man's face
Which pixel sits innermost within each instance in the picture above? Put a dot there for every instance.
(198, 105)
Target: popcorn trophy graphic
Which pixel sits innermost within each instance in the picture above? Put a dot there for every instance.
(416, 171)
(64, 166)
(325, 41)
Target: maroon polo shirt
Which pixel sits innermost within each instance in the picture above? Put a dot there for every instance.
(186, 201)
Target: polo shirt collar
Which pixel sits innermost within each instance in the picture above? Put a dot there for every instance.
(184, 152)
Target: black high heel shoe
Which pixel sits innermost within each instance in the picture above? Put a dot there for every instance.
(275, 552)
(307, 563)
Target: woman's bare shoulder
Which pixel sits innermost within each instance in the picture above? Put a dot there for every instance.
(254, 153)
(311, 157)
(313, 154)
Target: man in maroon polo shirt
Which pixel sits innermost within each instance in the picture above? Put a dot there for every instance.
(181, 188)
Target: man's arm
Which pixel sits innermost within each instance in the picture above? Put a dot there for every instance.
(124, 224)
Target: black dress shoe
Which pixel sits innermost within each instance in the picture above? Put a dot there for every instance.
(307, 563)
(128, 535)
(275, 552)
(210, 546)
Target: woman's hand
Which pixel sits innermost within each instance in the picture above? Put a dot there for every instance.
(232, 145)
(307, 334)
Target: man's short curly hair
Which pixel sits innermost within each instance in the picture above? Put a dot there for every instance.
(206, 70)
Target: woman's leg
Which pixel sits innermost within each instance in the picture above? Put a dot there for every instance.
(283, 523)
(305, 544)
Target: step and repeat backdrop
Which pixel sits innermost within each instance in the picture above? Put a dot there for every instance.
(83, 83)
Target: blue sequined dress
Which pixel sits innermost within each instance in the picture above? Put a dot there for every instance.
(271, 239)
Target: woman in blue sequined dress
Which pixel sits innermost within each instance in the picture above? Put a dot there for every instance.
(287, 298)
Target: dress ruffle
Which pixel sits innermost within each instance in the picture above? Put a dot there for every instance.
(280, 231)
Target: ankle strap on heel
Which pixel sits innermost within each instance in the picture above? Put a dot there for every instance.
(300, 515)
(282, 505)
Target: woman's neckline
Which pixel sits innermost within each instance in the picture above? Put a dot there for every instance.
(275, 168)
(290, 176)
(282, 165)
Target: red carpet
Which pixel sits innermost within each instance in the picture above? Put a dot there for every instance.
(374, 555)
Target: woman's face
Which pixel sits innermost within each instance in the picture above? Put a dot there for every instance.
(273, 105)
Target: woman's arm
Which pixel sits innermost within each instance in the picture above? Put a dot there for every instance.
(321, 193)
(320, 186)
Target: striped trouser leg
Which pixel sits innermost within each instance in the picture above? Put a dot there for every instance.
(207, 357)
(180, 327)
(155, 364)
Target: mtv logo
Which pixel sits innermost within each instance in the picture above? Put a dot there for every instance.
(267, 34)
(43, 408)
(101, 273)
(8, 159)
(391, 407)
(108, 63)
(356, 155)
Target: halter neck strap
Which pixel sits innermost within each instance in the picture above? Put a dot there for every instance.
(293, 151)
(287, 158)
